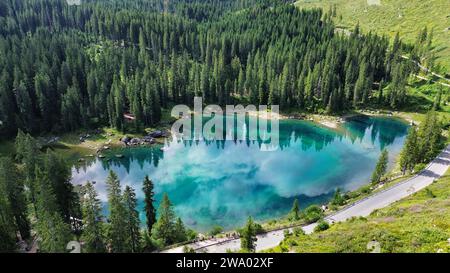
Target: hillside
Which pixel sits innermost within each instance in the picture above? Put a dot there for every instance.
(391, 16)
(419, 223)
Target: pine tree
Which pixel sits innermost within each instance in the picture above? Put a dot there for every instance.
(380, 93)
(60, 177)
(361, 85)
(429, 137)
(7, 227)
(295, 211)
(179, 231)
(338, 199)
(52, 232)
(117, 234)
(92, 235)
(133, 235)
(150, 211)
(381, 167)
(164, 228)
(28, 153)
(14, 191)
(409, 154)
(8, 126)
(248, 236)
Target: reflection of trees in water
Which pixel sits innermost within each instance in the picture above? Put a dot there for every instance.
(309, 135)
(140, 155)
(386, 129)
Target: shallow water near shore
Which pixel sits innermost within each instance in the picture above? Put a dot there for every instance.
(223, 182)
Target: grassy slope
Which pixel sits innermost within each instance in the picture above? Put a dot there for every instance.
(419, 223)
(392, 16)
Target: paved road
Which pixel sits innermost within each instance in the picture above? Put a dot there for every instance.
(361, 208)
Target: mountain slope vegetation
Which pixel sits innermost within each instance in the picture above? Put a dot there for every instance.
(419, 223)
(391, 16)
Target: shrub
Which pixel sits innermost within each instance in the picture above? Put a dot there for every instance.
(321, 226)
(313, 213)
(366, 189)
(187, 249)
(298, 231)
(258, 228)
(338, 198)
(287, 233)
(191, 234)
(429, 193)
(216, 230)
(419, 167)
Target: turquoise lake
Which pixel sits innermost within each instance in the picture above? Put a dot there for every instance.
(223, 182)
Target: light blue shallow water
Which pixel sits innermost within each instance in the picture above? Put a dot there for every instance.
(221, 183)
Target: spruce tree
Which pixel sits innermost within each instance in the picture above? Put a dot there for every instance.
(117, 234)
(53, 233)
(150, 211)
(14, 190)
(92, 236)
(410, 153)
(295, 211)
(164, 228)
(381, 167)
(248, 236)
(179, 231)
(7, 227)
(132, 222)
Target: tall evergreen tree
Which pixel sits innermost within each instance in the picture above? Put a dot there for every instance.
(117, 234)
(409, 154)
(92, 236)
(164, 228)
(52, 232)
(133, 235)
(248, 236)
(14, 190)
(150, 211)
(7, 227)
(295, 211)
(381, 167)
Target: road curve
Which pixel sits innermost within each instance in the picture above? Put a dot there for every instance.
(364, 207)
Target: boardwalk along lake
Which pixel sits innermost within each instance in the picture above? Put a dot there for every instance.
(223, 182)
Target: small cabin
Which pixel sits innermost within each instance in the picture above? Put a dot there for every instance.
(129, 117)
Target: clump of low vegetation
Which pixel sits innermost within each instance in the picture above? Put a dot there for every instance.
(216, 230)
(321, 226)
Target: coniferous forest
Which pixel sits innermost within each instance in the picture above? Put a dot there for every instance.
(69, 67)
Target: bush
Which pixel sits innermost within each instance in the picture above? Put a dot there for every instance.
(419, 167)
(258, 228)
(338, 198)
(191, 234)
(321, 226)
(149, 245)
(313, 213)
(298, 231)
(366, 189)
(187, 249)
(287, 233)
(292, 243)
(216, 230)
(429, 193)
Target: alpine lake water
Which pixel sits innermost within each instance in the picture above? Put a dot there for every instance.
(221, 183)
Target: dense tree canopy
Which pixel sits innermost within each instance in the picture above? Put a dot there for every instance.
(65, 67)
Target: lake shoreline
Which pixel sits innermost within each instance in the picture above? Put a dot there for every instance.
(77, 151)
(110, 157)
